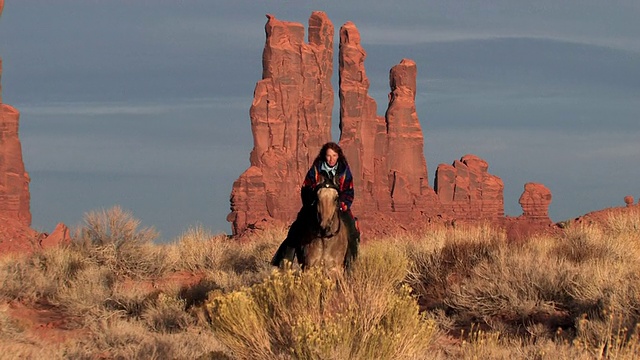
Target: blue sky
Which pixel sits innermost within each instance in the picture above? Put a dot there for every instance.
(145, 104)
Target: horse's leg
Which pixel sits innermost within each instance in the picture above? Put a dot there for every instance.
(336, 247)
(284, 252)
(287, 250)
(313, 251)
(353, 239)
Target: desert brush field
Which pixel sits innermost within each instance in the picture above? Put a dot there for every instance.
(461, 292)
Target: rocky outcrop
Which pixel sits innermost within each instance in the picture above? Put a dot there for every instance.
(534, 221)
(535, 202)
(59, 236)
(628, 200)
(14, 180)
(385, 153)
(362, 131)
(408, 181)
(16, 237)
(467, 191)
(290, 120)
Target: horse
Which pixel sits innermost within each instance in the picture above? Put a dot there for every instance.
(325, 236)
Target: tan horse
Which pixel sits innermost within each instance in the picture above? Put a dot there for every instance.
(326, 238)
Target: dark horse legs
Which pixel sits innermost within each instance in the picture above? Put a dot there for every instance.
(289, 247)
(287, 250)
(354, 239)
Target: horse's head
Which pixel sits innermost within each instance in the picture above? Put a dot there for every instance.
(327, 206)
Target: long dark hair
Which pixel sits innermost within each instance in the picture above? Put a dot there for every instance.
(333, 146)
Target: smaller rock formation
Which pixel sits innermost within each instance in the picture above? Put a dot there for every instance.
(535, 202)
(468, 191)
(59, 236)
(534, 220)
(628, 200)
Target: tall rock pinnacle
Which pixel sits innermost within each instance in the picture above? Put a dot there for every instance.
(290, 120)
(362, 131)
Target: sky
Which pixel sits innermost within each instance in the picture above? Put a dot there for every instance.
(145, 104)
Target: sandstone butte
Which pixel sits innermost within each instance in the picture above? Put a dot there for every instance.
(291, 119)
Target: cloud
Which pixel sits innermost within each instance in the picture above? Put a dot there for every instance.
(392, 35)
(120, 108)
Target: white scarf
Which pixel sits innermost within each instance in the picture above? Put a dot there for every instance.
(328, 169)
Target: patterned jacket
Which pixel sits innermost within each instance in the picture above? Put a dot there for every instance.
(345, 184)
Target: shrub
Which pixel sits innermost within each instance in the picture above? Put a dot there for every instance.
(40, 275)
(308, 315)
(167, 315)
(111, 238)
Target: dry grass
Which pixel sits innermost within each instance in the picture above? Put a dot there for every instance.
(111, 238)
(461, 292)
(310, 315)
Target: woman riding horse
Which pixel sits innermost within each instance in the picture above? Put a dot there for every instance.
(331, 163)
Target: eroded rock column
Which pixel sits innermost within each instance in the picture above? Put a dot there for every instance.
(535, 201)
(408, 180)
(362, 132)
(290, 120)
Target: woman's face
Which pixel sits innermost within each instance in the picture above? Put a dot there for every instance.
(331, 158)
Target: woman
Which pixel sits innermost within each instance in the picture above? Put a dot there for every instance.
(329, 162)
(332, 162)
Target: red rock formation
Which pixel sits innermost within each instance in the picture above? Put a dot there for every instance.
(15, 237)
(15, 215)
(385, 154)
(362, 132)
(59, 236)
(408, 181)
(467, 191)
(628, 200)
(535, 202)
(290, 120)
(534, 220)
(14, 180)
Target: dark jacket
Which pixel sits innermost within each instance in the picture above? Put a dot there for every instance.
(345, 184)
